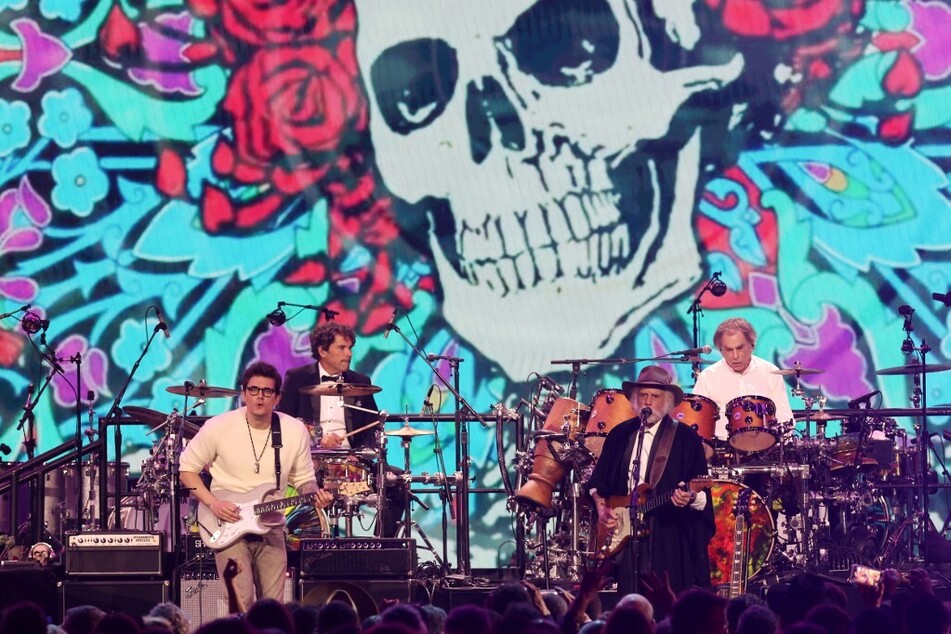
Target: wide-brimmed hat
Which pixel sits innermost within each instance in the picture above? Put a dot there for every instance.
(656, 377)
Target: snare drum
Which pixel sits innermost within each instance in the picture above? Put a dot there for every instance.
(343, 474)
(758, 535)
(844, 455)
(751, 423)
(608, 409)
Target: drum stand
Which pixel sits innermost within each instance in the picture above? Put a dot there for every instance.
(408, 522)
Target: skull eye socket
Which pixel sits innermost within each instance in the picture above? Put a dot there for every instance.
(413, 81)
(564, 42)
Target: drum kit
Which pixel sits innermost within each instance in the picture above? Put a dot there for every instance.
(812, 501)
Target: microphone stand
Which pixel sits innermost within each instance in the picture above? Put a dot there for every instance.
(716, 286)
(635, 540)
(463, 411)
(112, 415)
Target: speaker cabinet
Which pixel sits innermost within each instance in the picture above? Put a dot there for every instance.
(364, 595)
(204, 598)
(28, 583)
(134, 598)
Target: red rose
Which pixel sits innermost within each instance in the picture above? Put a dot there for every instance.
(292, 104)
(785, 19)
(266, 22)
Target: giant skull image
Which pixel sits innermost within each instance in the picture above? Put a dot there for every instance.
(544, 152)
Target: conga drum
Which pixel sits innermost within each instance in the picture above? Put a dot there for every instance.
(564, 422)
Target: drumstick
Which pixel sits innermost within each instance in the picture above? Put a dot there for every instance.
(359, 429)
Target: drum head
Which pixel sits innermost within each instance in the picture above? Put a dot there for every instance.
(758, 535)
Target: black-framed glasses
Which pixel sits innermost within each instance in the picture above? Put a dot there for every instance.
(254, 390)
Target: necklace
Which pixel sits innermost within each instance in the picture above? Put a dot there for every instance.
(254, 452)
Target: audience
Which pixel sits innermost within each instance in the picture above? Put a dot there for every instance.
(806, 604)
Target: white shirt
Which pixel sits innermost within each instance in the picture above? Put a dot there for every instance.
(720, 383)
(332, 419)
(650, 433)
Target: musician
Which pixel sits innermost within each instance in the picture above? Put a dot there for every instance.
(331, 345)
(678, 531)
(238, 450)
(740, 373)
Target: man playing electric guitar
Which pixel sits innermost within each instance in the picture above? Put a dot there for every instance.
(239, 449)
(678, 528)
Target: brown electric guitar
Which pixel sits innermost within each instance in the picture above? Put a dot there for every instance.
(608, 542)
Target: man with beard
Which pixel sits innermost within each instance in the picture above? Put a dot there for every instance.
(338, 427)
(656, 450)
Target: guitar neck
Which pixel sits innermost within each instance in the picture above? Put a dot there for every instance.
(737, 585)
(283, 503)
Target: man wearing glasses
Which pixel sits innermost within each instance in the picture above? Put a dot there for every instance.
(237, 449)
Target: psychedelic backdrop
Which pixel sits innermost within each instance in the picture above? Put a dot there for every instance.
(522, 181)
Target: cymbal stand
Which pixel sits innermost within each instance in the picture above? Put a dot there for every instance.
(408, 522)
(463, 412)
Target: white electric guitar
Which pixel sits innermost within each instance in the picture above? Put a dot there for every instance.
(260, 511)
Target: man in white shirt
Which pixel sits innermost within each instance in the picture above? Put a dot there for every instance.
(237, 449)
(741, 373)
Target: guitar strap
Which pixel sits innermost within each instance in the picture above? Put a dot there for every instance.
(277, 444)
(661, 451)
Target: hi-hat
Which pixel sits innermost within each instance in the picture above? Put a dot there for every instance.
(201, 391)
(145, 415)
(914, 368)
(340, 389)
(407, 432)
(797, 371)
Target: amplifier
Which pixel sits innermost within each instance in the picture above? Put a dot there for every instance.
(205, 599)
(357, 557)
(114, 553)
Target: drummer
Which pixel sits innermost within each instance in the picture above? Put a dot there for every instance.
(331, 345)
(740, 373)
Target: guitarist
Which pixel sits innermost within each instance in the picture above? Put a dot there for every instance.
(675, 534)
(238, 451)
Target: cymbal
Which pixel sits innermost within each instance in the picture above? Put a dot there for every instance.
(340, 389)
(797, 371)
(817, 415)
(914, 368)
(407, 432)
(201, 391)
(144, 414)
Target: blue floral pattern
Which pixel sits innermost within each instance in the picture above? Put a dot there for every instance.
(80, 182)
(68, 10)
(65, 117)
(14, 126)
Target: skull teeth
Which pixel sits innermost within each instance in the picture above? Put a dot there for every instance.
(581, 235)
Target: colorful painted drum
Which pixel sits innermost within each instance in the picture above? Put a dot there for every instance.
(758, 535)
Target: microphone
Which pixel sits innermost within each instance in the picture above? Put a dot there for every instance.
(161, 325)
(277, 317)
(32, 324)
(944, 299)
(29, 397)
(427, 402)
(692, 351)
(645, 414)
(717, 286)
(906, 311)
(865, 398)
(551, 384)
(391, 324)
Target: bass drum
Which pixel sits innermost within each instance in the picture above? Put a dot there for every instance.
(608, 409)
(758, 535)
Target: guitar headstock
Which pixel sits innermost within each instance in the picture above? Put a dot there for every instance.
(742, 503)
(698, 484)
